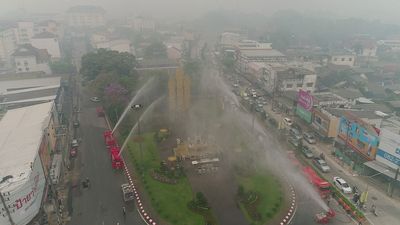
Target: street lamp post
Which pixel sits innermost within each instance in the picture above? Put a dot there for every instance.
(137, 107)
(366, 190)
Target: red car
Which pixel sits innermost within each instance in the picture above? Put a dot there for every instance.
(73, 152)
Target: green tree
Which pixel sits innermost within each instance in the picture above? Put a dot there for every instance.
(62, 67)
(156, 49)
(107, 61)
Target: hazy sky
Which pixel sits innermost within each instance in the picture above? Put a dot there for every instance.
(385, 10)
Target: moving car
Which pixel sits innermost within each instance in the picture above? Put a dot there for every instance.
(307, 152)
(342, 185)
(321, 164)
(94, 99)
(76, 123)
(309, 137)
(288, 121)
(73, 151)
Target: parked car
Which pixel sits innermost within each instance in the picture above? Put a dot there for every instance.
(288, 121)
(296, 126)
(294, 141)
(75, 143)
(293, 132)
(76, 123)
(321, 164)
(309, 137)
(307, 152)
(94, 99)
(342, 185)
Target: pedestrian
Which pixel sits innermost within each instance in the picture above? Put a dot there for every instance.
(328, 200)
(124, 211)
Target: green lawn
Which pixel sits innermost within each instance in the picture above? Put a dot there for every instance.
(170, 201)
(270, 195)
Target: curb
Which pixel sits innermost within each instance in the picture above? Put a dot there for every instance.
(142, 212)
(292, 210)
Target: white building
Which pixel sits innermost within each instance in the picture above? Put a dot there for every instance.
(142, 24)
(48, 41)
(229, 40)
(343, 58)
(8, 44)
(393, 44)
(24, 32)
(244, 56)
(86, 16)
(22, 151)
(30, 59)
(104, 41)
(50, 26)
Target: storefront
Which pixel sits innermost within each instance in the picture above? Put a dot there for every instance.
(304, 106)
(324, 123)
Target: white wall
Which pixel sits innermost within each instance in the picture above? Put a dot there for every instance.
(25, 31)
(7, 46)
(27, 197)
(29, 64)
(388, 150)
(343, 60)
(50, 44)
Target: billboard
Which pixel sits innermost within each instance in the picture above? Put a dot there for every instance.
(305, 104)
(26, 199)
(360, 136)
(389, 149)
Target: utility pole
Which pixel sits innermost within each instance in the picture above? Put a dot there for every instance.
(6, 208)
(394, 181)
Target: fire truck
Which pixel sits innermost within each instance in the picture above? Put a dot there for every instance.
(116, 160)
(322, 186)
(109, 139)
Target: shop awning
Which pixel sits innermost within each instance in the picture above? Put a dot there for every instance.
(382, 168)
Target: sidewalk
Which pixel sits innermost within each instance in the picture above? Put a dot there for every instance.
(388, 209)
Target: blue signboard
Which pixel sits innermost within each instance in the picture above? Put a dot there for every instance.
(389, 157)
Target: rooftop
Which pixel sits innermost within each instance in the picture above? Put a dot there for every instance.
(29, 50)
(21, 132)
(260, 52)
(328, 97)
(44, 34)
(358, 113)
(348, 93)
(374, 107)
(21, 84)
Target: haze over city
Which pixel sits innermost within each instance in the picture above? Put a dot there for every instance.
(383, 10)
(190, 112)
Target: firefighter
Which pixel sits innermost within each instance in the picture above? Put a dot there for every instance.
(124, 211)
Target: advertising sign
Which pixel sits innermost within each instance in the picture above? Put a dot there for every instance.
(359, 137)
(26, 199)
(305, 100)
(389, 149)
(304, 105)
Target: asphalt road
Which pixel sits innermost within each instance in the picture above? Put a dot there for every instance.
(102, 203)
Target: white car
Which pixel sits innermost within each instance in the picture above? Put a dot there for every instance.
(342, 185)
(288, 121)
(94, 99)
(74, 143)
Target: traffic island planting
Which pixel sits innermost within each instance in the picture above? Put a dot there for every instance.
(169, 200)
(260, 197)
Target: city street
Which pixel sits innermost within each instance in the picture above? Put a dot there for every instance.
(102, 202)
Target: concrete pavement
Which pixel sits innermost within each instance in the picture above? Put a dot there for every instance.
(102, 203)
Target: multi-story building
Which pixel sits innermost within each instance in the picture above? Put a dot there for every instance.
(392, 44)
(30, 59)
(279, 77)
(143, 24)
(48, 41)
(229, 40)
(24, 32)
(8, 44)
(50, 26)
(342, 58)
(24, 162)
(86, 16)
(250, 51)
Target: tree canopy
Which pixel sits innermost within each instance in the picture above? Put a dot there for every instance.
(156, 49)
(107, 61)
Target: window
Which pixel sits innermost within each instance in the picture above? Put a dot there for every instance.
(350, 59)
(18, 63)
(343, 59)
(19, 69)
(335, 59)
(27, 68)
(299, 85)
(289, 85)
(25, 63)
(310, 84)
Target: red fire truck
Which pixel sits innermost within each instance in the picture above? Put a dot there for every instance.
(320, 184)
(116, 160)
(109, 139)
